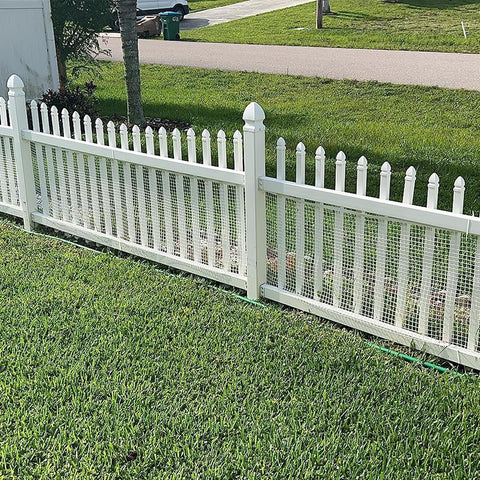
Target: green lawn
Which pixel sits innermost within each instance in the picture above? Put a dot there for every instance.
(433, 129)
(197, 5)
(111, 368)
(431, 25)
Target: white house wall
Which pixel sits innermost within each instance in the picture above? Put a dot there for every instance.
(27, 46)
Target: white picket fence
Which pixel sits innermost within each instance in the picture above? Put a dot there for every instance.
(406, 273)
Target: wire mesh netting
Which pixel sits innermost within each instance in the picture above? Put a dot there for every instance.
(8, 173)
(197, 219)
(416, 277)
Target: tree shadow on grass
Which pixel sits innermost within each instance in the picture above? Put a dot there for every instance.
(437, 4)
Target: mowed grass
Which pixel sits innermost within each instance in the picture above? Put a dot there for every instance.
(431, 25)
(197, 5)
(433, 129)
(112, 368)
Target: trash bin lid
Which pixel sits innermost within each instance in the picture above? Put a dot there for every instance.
(170, 14)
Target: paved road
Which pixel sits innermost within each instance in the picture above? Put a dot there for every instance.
(214, 16)
(451, 70)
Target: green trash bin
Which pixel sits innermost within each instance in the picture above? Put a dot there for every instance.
(171, 25)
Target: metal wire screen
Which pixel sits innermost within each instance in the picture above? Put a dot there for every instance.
(193, 218)
(418, 278)
(8, 173)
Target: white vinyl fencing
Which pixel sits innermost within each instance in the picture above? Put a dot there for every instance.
(402, 272)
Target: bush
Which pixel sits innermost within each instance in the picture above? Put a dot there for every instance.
(74, 99)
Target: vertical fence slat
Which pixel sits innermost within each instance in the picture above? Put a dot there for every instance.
(153, 189)
(381, 255)
(340, 166)
(39, 151)
(359, 258)
(104, 179)
(300, 222)
(180, 194)
(117, 197)
(474, 324)
(3, 112)
(140, 189)
(281, 232)
(453, 262)
(192, 158)
(240, 204)
(207, 160)
(92, 169)
(62, 184)
(127, 182)
(319, 219)
(82, 178)
(225, 220)
(70, 169)
(50, 164)
(162, 141)
(3, 146)
(404, 251)
(427, 266)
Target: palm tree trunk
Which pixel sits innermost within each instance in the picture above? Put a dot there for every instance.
(128, 33)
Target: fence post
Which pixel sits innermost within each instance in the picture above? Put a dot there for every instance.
(21, 149)
(254, 155)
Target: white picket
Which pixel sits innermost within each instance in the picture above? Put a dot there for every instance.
(62, 184)
(404, 252)
(340, 166)
(153, 189)
(225, 215)
(104, 180)
(163, 143)
(192, 158)
(359, 258)
(4, 144)
(3, 112)
(82, 178)
(300, 222)
(117, 196)
(240, 204)
(70, 171)
(453, 262)
(318, 231)
(428, 253)
(140, 189)
(48, 151)
(180, 196)
(281, 216)
(92, 177)
(381, 255)
(127, 184)
(210, 207)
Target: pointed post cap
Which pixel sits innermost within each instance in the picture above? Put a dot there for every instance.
(15, 83)
(254, 113)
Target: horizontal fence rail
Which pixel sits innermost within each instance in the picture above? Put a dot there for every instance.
(205, 205)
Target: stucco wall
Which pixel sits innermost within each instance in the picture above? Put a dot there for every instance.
(27, 46)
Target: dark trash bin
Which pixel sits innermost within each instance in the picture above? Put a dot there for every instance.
(171, 25)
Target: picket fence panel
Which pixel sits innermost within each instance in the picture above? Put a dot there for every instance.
(404, 272)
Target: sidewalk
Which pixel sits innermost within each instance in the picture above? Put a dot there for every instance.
(214, 16)
(451, 70)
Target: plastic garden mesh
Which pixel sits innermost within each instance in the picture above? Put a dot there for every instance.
(8, 173)
(193, 218)
(415, 277)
